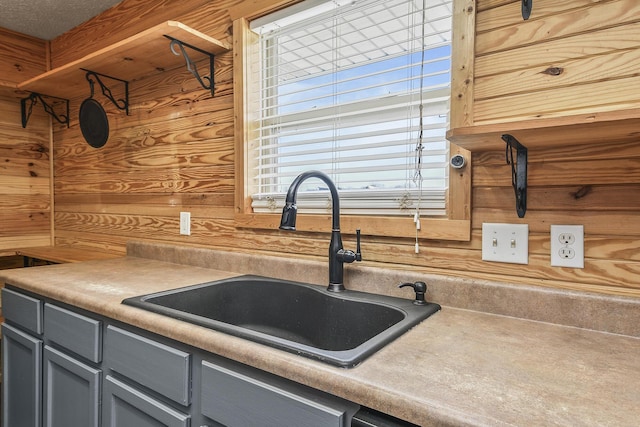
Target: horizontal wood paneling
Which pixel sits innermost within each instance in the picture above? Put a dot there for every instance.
(568, 58)
(21, 57)
(133, 16)
(552, 20)
(552, 52)
(25, 182)
(175, 151)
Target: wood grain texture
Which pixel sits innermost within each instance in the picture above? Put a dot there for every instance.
(145, 53)
(570, 60)
(25, 179)
(21, 57)
(124, 20)
(462, 72)
(176, 151)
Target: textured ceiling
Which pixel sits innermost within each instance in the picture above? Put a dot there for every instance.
(47, 19)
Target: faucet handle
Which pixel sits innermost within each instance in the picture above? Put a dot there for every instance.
(420, 289)
(349, 256)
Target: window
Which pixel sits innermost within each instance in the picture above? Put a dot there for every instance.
(357, 89)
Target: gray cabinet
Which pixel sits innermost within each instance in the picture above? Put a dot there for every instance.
(238, 396)
(71, 391)
(159, 367)
(21, 378)
(22, 310)
(67, 369)
(21, 360)
(126, 406)
(144, 373)
(49, 385)
(78, 334)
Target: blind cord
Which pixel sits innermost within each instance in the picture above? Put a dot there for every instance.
(417, 177)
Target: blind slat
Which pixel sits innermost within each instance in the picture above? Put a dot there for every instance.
(352, 89)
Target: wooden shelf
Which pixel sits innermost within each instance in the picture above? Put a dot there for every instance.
(7, 84)
(143, 54)
(610, 126)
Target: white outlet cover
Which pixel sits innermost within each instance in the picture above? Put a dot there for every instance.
(505, 243)
(567, 246)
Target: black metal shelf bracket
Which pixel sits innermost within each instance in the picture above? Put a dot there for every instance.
(518, 172)
(178, 48)
(121, 104)
(527, 7)
(48, 108)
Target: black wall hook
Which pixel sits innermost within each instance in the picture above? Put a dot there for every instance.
(527, 7)
(518, 172)
(205, 81)
(48, 108)
(121, 104)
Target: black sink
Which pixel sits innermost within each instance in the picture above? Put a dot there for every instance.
(338, 328)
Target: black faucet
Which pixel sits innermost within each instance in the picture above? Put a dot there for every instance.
(337, 255)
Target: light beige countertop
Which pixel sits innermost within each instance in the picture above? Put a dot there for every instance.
(459, 367)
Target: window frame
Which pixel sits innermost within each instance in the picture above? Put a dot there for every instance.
(456, 226)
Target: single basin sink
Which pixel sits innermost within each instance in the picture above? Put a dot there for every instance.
(338, 328)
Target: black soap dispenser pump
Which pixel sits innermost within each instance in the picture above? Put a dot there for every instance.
(420, 289)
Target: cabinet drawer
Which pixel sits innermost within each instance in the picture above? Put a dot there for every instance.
(79, 334)
(22, 310)
(126, 406)
(237, 399)
(159, 367)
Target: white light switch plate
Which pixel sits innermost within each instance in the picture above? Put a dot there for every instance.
(505, 243)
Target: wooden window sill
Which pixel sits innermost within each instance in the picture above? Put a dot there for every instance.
(401, 226)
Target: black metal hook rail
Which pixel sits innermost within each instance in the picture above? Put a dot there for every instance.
(48, 108)
(527, 7)
(518, 172)
(121, 104)
(191, 66)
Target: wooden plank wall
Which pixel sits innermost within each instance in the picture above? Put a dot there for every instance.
(175, 153)
(25, 184)
(568, 58)
(573, 57)
(21, 57)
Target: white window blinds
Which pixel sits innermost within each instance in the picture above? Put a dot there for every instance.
(360, 91)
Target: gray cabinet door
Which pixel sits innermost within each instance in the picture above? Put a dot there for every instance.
(71, 391)
(21, 381)
(125, 406)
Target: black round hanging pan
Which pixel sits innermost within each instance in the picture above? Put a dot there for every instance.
(94, 123)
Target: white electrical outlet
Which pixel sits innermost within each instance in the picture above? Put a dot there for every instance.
(505, 243)
(567, 246)
(185, 223)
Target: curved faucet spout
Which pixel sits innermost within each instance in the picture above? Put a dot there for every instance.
(337, 255)
(290, 209)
